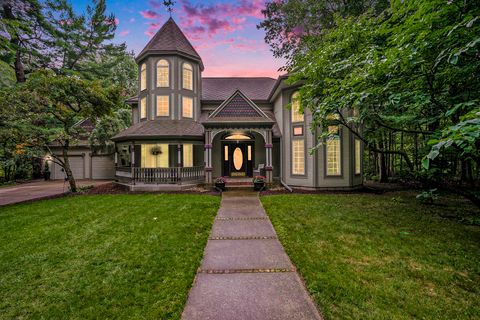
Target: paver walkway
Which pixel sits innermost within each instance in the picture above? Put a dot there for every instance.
(245, 273)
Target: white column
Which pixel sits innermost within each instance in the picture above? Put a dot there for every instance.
(268, 156)
(179, 155)
(208, 157)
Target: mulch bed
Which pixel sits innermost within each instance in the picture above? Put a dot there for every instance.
(115, 188)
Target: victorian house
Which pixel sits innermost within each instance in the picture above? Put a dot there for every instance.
(188, 129)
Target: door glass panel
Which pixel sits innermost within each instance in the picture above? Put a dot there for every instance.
(249, 153)
(237, 159)
(226, 153)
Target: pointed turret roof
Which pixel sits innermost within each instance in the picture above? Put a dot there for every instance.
(170, 40)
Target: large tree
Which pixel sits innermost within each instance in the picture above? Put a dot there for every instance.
(51, 105)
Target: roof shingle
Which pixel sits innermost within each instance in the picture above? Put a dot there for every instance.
(219, 89)
(161, 128)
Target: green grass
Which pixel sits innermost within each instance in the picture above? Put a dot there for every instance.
(114, 256)
(381, 257)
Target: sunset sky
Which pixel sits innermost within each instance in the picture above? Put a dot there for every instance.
(223, 32)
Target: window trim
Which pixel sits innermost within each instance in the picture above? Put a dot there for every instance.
(355, 140)
(140, 108)
(167, 67)
(184, 65)
(325, 162)
(298, 175)
(143, 79)
(156, 106)
(193, 107)
(292, 110)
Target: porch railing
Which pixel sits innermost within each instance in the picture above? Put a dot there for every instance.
(168, 175)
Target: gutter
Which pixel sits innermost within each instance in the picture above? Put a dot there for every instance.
(286, 185)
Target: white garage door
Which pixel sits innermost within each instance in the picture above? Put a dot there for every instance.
(103, 167)
(76, 165)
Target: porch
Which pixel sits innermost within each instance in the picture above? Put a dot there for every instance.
(172, 175)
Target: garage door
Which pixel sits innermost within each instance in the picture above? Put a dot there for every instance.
(76, 165)
(103, 167)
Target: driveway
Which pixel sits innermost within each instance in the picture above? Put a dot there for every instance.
(37, 190)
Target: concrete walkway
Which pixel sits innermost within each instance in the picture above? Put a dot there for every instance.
(245, 272)
(39, 189)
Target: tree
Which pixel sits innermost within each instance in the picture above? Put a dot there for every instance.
(52, 105)
(107, 127)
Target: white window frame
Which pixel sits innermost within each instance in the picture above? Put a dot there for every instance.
(184, 114)
(158, 103)
(187, 76)
(163, 74)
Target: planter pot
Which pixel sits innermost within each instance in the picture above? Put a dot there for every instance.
(46, 175)
(257, 186)
(220, 186)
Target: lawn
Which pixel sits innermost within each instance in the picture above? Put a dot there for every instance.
(382, 257)
(108, 256)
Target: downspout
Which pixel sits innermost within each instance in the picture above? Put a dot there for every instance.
(285, 185)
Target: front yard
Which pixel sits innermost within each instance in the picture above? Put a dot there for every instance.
(115, 256)
(381, 257)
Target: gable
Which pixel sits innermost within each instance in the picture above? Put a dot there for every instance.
(238, 106)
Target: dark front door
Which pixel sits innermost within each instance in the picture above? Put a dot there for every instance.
(237, 159)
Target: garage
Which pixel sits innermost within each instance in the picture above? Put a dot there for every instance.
(76, 165)
(103, 167)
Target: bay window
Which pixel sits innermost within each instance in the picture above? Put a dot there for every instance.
(187, 107)
(163, 106)
(333, 152)
(298, 156)
(143, 77)
(187, 76)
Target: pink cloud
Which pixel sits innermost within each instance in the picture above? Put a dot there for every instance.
(152, 28)
(149, 14)
(124, 33)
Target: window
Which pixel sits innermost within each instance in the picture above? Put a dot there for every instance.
(225, 153)
(154, 156)
(249, 153)
(163, 106)
(187, 107)
(237, 136)
(298, 131)
(143, 108)
(358, 157)
(333, 152)
(163, 73)
(188, 155)
(298, 156)
(187, 76)
(143, 77)
(297, 115)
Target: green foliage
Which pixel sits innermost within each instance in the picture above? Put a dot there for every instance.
(107, 127)
(428, 196)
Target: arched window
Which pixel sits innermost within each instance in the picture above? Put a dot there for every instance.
(143, 77)
(297, 115)
(187, 76)
(163, 73)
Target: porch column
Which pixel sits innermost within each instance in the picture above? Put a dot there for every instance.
(179, 155)
(208, 157)
(132, 161)
(268, 156)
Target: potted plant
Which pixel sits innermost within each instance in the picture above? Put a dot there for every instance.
(46, 171)
(258, 183)
(155, 150)
(220, 183)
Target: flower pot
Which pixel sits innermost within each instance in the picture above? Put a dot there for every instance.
(257, 186)
(220, 185)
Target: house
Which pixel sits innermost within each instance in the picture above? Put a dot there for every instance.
(189, 129)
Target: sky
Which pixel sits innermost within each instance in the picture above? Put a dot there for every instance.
(224, 32)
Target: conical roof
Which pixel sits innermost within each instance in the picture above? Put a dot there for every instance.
(170, 40)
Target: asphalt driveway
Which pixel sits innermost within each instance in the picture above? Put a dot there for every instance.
(37, 190)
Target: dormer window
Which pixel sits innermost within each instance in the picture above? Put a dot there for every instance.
(163, 73)
(187, 76)
(143, 77)
(297, 115)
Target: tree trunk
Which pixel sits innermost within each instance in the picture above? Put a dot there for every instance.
(18, 65)
(68, 171)
(382, 164)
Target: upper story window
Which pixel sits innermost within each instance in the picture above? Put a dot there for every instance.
(187, 76)
(163, 70)
(143, 77)
(143, 108)
(163, 106)
(187, 107)
(297, 115)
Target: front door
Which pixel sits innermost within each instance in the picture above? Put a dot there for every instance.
(237, 159)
